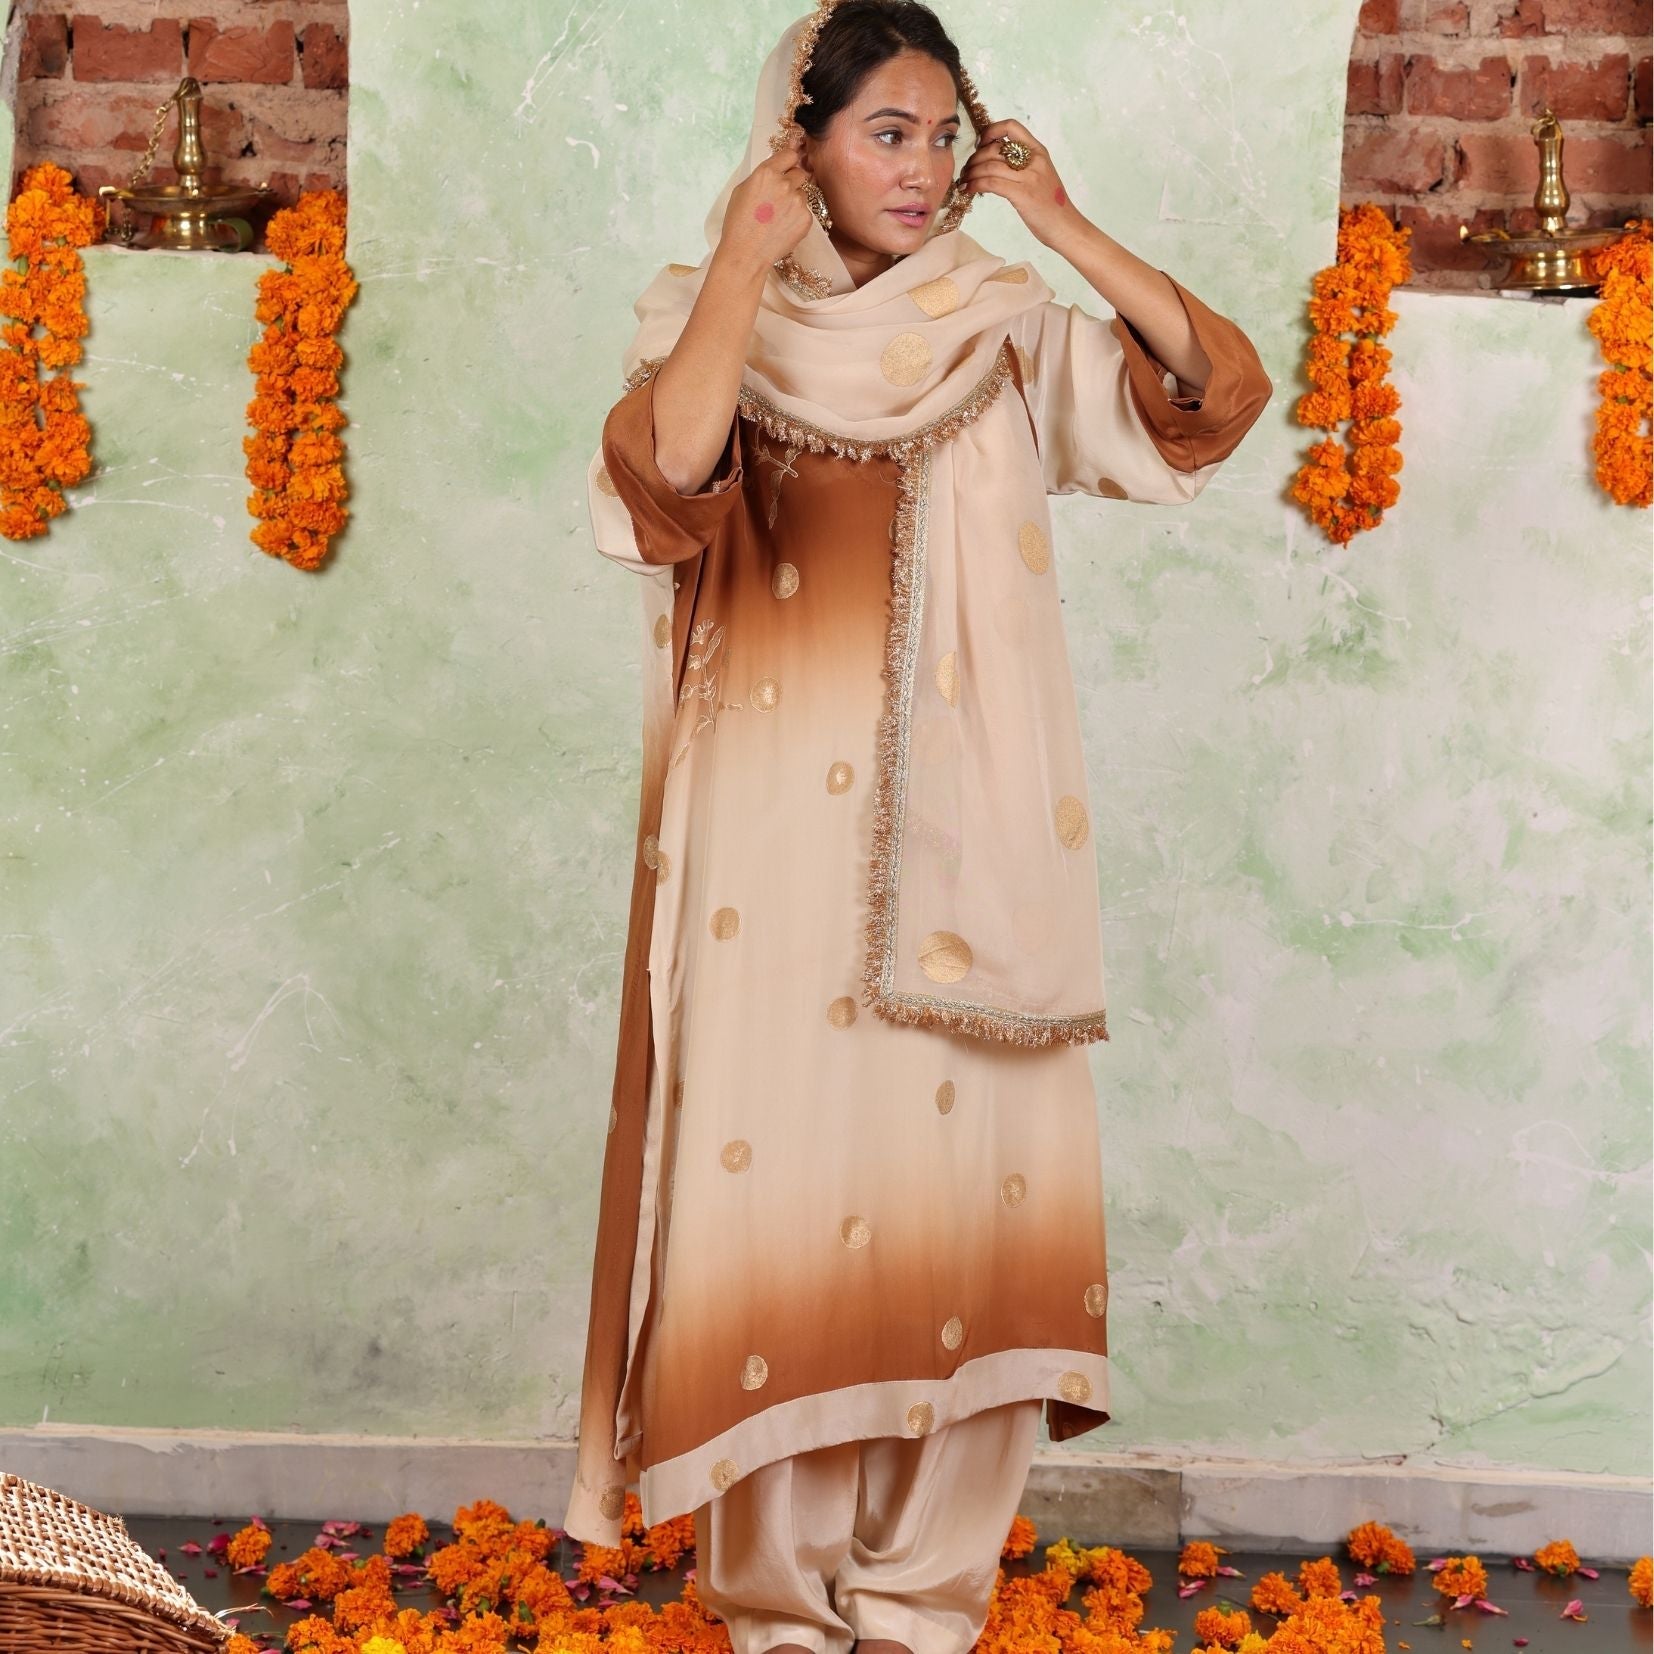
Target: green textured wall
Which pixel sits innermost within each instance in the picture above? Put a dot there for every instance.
(312, 889)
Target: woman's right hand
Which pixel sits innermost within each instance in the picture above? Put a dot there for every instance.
(767, 214)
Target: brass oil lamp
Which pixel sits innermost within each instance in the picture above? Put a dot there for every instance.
(189, 215)
(1552, 258)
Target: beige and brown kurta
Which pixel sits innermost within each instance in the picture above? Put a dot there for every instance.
(817, 1225)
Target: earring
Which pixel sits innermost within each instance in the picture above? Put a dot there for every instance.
(818, 203)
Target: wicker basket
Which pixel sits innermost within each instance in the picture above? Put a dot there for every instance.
(72, 1581)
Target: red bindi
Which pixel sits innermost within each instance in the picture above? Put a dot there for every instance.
(1062, 196)
(764, 212)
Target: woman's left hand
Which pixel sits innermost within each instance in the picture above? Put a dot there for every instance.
(1034, 190)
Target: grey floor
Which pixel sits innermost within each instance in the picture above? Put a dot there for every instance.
(1535, 1602)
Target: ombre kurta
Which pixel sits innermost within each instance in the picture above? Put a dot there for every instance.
(816, 1224)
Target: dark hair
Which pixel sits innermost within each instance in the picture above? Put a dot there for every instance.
(857, 37)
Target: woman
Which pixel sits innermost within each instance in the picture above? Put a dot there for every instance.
(851, 1231)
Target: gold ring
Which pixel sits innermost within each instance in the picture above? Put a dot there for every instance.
(1017, 154)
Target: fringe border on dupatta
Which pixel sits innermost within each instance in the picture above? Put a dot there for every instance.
(912, 454)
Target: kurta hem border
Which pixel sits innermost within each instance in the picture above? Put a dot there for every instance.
(1075, 1380)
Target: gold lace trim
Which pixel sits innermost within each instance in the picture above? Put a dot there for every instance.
(912, 452)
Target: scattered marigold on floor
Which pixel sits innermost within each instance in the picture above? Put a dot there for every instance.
(1274, 1594)
(1199, 1559)
(1641, 1581)
(1214, 1625)
(1319, 1578)
(1378, 1549)
(1463, 1576)
(1559, 1558)
(247, 1546)
(405, 1534)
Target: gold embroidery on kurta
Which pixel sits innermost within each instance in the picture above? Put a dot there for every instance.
(920, 1417)
(1031, 542)
(936, 298)
(953, 1332)
(1110, 489)
(754, 1373)
(842, 1012)
(736, 1155)
(839, 777)
(1074, 1387)
(784, 582)
(1011, 273)
(1014, 1190)
(906, 359)
(945, 956)
(683, 269)
(613, 1502)
(725, 923)
(855, 1232)
(783, 468)
(947, 677)
(1072, 821)
(725, 1475)
(700, 681)
(765, 694)
(944, 1097)
(606, 483)
(1096, 1298)
(656, 858)
(663, 631)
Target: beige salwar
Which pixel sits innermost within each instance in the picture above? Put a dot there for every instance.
(881, 1538)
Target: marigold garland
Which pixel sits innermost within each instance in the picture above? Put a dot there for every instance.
(1346, 490)
(294, 454)
(44, 437)
(1622, 321)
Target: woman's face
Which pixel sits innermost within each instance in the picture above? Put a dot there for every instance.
(891, 147)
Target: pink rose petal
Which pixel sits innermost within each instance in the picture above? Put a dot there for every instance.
(1189, 1589)
(1522, 1562)
(1521, 1642)
(190, 1548)
(1365, 1579)
(1231, 1573)
(1575, 1610)
(1460, 1602)
(1590, 1573)
(301, 1603)
(1490, 1608)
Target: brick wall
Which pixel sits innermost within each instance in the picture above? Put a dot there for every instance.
(1441, 96)
(274, 81)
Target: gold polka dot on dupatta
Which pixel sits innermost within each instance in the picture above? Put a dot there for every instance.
(906, 359)
(613, 1502)
(839, 777)
(842, 1012)
(1111, 490)
(944, 1097)
(725, 1475)
(855, 1232)
(606, 483)
(1096, 1298)
(784, 582)
(736, 1155)
(753, 1374)
(1074, 1387)
(953, 1332)
(656, 858)
(1026, 363)
(945, 956)
(1072, 822)
(614, 1117)
(725, 923)
(663, 631)
(1013, 1191)
(936, 298)
(1011, 273)
(947, 677)
(1031, 542)
(921, 1416)
(765, 693)
(683, 269)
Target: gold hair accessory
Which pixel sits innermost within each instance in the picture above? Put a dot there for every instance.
(818, 203)
(1017, 154)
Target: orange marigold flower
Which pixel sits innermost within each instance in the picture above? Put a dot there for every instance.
(1559, 1558)
(1463, 1576)
(405, 1534)
(1319, 1578)
(1274, 1594)
(1641, 1581)
(247, 1547)
(1199, 1559)
(1020, 1540)
(1214, 1625)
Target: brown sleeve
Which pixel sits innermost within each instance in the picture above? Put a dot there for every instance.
(1192, 431)
(668, 526)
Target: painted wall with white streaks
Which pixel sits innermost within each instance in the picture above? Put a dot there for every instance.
(312, 889)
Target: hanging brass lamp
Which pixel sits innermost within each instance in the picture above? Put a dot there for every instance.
(1552, 258)
(189, 215)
